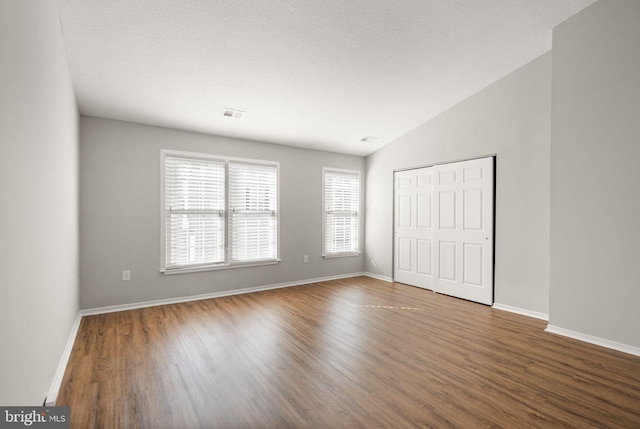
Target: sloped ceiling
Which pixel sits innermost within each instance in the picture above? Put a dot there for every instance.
(313, 74)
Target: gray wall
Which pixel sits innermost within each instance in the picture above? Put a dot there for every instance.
(512, 119)
(120, 214)
(39, 193)
(595, 173)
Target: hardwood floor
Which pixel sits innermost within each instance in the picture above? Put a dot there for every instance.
(355, 353)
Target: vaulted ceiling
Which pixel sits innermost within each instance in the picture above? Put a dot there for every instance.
(314, 74)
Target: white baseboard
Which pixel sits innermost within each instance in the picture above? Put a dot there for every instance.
(144, 304)
(522, 311)
(52, 395)
(603, 342)
(379, 277)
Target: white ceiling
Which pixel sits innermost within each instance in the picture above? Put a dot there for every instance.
(317, 74)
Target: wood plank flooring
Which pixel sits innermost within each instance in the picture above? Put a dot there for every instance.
(355, 353)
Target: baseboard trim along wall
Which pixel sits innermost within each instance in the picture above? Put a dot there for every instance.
(603, 342)
(522, 311)
(52, 395)
(144, 304)
(378, 277)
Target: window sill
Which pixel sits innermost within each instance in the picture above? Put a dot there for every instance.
(171, 271)
(341, 255)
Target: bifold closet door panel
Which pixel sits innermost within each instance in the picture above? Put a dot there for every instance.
(413, 227)
(463, 229)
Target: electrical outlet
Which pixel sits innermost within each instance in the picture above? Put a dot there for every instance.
(126, 275)
(306, 259)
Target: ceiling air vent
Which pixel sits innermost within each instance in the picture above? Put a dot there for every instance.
(232, 113)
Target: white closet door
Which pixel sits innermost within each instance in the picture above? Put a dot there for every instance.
(463, 229)
(413, 229)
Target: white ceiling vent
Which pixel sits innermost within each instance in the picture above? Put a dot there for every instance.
(232, 113)
(368, 139)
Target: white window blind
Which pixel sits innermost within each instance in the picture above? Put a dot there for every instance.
(341, 212)
(253, 204)
(194, 191)
(218, 212)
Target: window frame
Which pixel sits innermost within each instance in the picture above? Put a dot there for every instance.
(358, 252)
(227, 262)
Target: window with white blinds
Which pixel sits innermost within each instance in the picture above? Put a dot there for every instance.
(194, 211)
(341, 212)
(253, 208)
(217, 212)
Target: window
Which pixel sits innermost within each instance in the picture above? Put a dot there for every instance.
(252, 203)
(341, 212)
(217, 212)
(194, 206)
